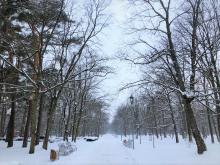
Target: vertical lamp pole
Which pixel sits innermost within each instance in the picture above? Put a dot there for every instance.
(132, 101)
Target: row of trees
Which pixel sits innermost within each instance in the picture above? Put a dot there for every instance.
(180, 64)
(160, 113)
(50, 70)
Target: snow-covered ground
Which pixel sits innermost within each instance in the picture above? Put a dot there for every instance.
(109, 150)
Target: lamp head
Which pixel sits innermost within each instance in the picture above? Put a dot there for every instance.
(131, 99)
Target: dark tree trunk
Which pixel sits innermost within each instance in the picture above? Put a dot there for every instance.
(84, 131)
(39, 119)
(209, 122)
(99, 124)
(125, 131)
(23, 123)
(215, 129)
(27, 125)
(77, 129)
(183, 116)
(188, 127)
(66, 129)
(52, 109)
(73, 131)
(3, 120)
(11, 123)
(216, 98)
(173, 119)
(84, 125)
(155, 123)
(201, 147)
(218, 117)
(78, 121)
(34, 100)
(164, 128)
(175, 131)
(74, 122)
(46, 138)
(184, 124)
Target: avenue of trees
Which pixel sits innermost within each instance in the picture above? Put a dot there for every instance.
(177, 48)
(50, 68)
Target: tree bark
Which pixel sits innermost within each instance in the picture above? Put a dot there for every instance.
(215, 129)
(23, 123)
(51, 111)
(201, 147)
(3, 120)
(27, 125)
(39, 119)
(155, 119)
(11, 123)
(216, 99)
(34, 100)
(189, 131)
(164, 128)
(74, 123)
(173, 119)
(77, 128)
(66, 129)
(208, 114)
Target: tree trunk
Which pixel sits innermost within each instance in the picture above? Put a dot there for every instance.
(209, 122)
(11, 123)
(66, 132)
(73, 131)
(34, 100)
(155, 123)
(27, 125)
(188, 127)
(77, 128)
(74, 122)
(52, 109)
(3, 119)
(164, 128)
(39, 119)
(84, 131)
(201, 147)
(46, 138)
(215, 129)
(100, 123)
(173, 119)
(23, 123)
(183, 116)
(78, 121)
(218, 116)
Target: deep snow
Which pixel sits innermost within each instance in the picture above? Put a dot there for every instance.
(109, 150)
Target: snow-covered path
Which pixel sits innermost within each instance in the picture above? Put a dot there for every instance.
(109, 150)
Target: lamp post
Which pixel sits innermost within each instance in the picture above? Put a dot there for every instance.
(132, 101)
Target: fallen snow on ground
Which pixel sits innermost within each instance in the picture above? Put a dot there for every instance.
(109, 150)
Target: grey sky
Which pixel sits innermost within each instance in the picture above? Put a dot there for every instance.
(114, 39)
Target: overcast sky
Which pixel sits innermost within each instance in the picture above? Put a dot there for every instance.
(113, 40)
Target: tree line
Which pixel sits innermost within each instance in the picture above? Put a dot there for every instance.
(50, 70)
(177, 48)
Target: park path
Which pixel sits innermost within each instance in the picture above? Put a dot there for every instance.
(108, 150)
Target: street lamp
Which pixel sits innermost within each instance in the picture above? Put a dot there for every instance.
(132, 101)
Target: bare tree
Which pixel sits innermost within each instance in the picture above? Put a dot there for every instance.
(180, 59)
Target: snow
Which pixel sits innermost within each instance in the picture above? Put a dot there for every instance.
(109, 150)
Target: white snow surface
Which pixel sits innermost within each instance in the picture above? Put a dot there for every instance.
(109, 150)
